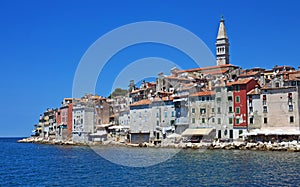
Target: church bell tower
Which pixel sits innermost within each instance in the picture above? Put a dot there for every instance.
(222, 45)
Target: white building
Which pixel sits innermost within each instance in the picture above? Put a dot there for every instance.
(83, 122)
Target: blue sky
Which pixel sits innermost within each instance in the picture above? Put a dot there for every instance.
(42, 42)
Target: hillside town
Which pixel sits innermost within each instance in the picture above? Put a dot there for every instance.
(222, 103)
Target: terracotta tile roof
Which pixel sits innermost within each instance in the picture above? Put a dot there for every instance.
(158, 99)
(221, 71)
(294, 75)
(206, 68)
(240, 81)
(203, 93)
(141, 102)
(252, 73)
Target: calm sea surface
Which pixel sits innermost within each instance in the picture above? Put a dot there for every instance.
(48, 165)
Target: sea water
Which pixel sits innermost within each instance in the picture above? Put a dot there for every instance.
(26, 164)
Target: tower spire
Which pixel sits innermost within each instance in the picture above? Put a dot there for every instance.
(222, 44)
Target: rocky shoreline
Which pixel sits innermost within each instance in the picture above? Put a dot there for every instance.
(293, 146)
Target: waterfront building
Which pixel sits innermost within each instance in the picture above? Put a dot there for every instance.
(64, 120)
(239, 90)
(276, 105)
(164, 115)
(124, 117)
(142, 122)
(221, 101)
(83, 121)
(181, 105)
(47, 124)
(201, 116)
(102, 110)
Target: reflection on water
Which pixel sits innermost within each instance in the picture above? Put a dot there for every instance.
(48, 165)
(135, 157)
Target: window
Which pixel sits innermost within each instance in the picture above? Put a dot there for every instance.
(264, 99)
(218, 89)
(203, 98)
(290, 108)
(193, 120)
(229, 89)
(219, 120)
(237, 110)
(218, 99)
(219, 110)
(229, 98)
(237, 121)
(202, 110)
(230, 109)
(213, 120)
(173, 114)
(265, 120)
(265, 109)
(250, 98)
(251, 120)
(81, 120)
(203, 120)
(212, 110)
(230, 133)
(250, 109)
(237, 88)
(230, 120)
(166, 114)
(157, 123)
(237, 99)
(193, 110)
(219, 133)
(291, 119)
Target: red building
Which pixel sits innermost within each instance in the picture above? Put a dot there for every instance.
(70, 116)
(64, 116)
(240, 89)
(58, 117)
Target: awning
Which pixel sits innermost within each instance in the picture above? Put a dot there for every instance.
(99, 133)
(195, 132)
(273, 132)
(103, 125)
(119, 127)
(180, 99)
(174, 135)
